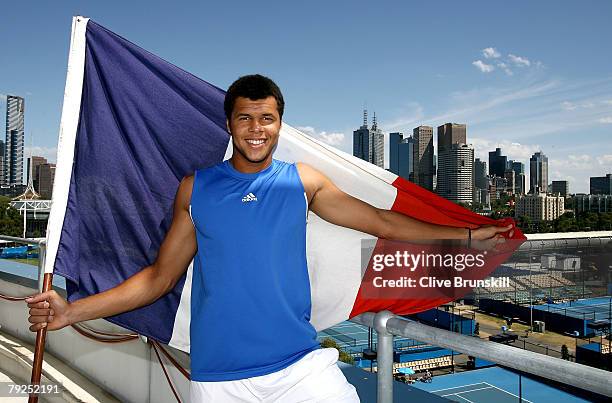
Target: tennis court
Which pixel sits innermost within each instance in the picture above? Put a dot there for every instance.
(482, 392)
(497, 385)
(597, 308)
(353, 337)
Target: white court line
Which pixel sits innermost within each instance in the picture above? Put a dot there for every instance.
(464, 398)
(462, 386)
(466, 391)
(505, 391)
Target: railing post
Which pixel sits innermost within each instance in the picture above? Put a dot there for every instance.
(384, 357)
(42, 254)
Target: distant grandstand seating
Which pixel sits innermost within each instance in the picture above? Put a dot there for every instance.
(535, 286)
(422, 365)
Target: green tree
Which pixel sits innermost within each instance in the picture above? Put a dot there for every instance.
(604, 221)
(11, 222)
(343, 355)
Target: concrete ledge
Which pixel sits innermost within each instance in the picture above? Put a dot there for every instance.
(16, 359)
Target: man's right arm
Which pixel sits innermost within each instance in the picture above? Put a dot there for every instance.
(50, 310)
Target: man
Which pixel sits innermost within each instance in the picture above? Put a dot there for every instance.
(243, 222)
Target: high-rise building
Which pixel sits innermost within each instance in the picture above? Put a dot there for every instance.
(480, 174)
(560, 187)
(601, 185)
(599, 203)
(405, 151)
(424, 170)
(13, 150)
(519, 171)
(498, 163)
(539, 206)
(369, 143)
(394, 140)
(538, 173)
(456, 173)
(455, 179)
(435, 175)
(378, 144)
(2, 151)
(46, 177)
(362, 146)
(481, 182)
(510, 177)
(33, 163)
(451, 133)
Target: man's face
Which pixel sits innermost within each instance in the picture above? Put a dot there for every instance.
(254, 126)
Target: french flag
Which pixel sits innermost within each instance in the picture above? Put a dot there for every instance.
(133, 125)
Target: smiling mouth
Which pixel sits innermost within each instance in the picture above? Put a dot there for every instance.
(255, 142)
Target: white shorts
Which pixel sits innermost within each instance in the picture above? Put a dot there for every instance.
(313, 378)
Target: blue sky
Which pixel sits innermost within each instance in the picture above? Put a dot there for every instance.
(523, 75)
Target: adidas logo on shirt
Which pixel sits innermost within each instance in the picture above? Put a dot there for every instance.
(249, 198)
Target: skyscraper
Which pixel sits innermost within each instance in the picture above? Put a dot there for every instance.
(480, 174)
(405, 163)
(510, 177)
(560, 187)
(456, 173)
(2, 151)
(378, 144)
(455, 180)
(481, 182)
(423, 157)
(498, 163)
(13, 150)
(450, 133)
(538, 173)
(362, 146)
(46, 177)
(369, 144)
(394, 140)
(601, 185)
(34, 163)
(519, 172)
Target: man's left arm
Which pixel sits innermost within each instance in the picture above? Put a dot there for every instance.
(337, 207)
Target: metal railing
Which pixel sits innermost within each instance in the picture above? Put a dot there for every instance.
(388, 325)
(42, 247)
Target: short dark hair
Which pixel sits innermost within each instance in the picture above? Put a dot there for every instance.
(253, 87)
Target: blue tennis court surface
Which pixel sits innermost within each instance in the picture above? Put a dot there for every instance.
(353, 337)
(597, 308)
(479, 392)
(494, 385)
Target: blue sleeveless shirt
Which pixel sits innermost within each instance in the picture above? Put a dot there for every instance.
(250, 295)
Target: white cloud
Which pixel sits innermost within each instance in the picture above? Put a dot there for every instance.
(572, 106)
(3, 97)
(513, 150)
(519, 61)
(606, 120)
(490, 53)
(607, 102)
(483, 67)
(505, 68)
(568, 106)
(412, 115)
(50, 153)
(581, 162)
(333, 139)
(605, 160)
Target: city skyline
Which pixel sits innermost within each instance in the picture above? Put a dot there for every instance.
(537, 91)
